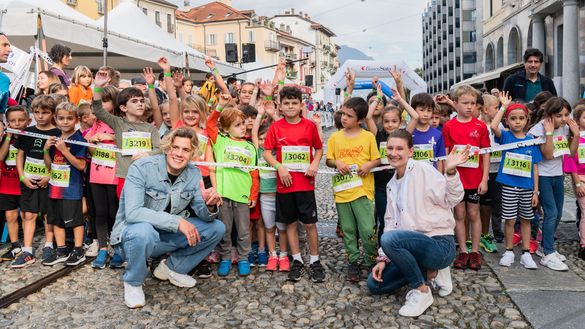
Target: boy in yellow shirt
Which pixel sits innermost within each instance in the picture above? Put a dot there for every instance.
(353, 152)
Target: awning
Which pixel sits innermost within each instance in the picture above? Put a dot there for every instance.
(487, 76)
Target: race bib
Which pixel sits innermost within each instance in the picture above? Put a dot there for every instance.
(134, 142)
(203, 140)
(496, 157)
(266, 174)
(60, 175)
(296, 157)
(518, 165)
(473, 161)
(239, 155)
(104, 158)
(581, 153)
(560, 146)
(11, 156)
(383, 153)
(345, 182)
(35, 168)
(423, 152)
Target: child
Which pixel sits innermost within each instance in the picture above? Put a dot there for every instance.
(518, 174)
(85, 116)
(355, 148)
(80, 88)
(44, 80)
(575, 166)
(134, 137)
(294, 138)
(562, 134)
(17, 118)
(428, 141)
(239, 188)
(102, 178)
(459, 132)
(268, 197)
(34, 176)
(67, 162)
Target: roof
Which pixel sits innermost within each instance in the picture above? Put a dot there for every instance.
(211, 12)
(163, 2)
(314, 25)
(290, 36)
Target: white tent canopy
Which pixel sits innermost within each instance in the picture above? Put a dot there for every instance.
(369, 69)
(127, 52)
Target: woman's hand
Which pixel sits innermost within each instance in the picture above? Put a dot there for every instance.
(101, 79)
(377, 271)
(455, 159)
(148, 75)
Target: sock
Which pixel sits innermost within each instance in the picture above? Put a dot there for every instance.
(78, 250)
(298, 257)
(283, 254)
(49, 244)
(509, 249)
(62, 249)
(273, 254)
(15, 244)
(313, 259)
(27, 249)
(525, 251)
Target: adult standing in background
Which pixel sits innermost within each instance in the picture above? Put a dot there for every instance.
(5, 51)
(525, 84)
(61, 57)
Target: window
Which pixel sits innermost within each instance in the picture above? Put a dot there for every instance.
(251, 37)
(157, 18)
(145, 11)
(211, 40)
(170, 27)
(229, 37)
(469, 58)
(100, 6)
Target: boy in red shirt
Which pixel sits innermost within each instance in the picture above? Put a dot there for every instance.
(294, 138)
(458, 132)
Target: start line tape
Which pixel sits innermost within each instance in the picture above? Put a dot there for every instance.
(487, 150)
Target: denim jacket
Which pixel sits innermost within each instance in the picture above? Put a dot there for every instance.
(148, 191)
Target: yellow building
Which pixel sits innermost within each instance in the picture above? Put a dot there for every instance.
(91, 8)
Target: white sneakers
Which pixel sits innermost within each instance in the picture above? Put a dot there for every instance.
(443, 281)
(93, 249)
(507, 258)
(163, 272)
(133, 296)
(553, 262)
(540, 252)
(416, 303)
(527, 261)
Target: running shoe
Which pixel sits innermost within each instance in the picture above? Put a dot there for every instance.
(48, 253)
(203, 270)
(55, 258)
(11, 253)
(77, 257)
(468, 245)
(486, 241)
(213, 257)
(353, 272)
(474, 261)
(533, 246)
(224, 267)
(461, 261)
(283, 264)
(100, 261)
(516, 239)
(117, 261)
(297, 271)
(507, 258)
(262, 259)
(243, 268)
(23, 260)
(318, 272)
(272, 263)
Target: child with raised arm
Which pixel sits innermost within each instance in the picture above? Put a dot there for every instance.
(67, 163)
(17, 118)
(457, 133)
(428, 141)
(353, 152)
(294, 139)
(238, 187)
(34, 178)
(518, 174)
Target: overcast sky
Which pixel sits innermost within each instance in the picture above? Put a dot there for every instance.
(382, 29)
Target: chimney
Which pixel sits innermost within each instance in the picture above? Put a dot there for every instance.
(301, 13)
(286, 12)
(292, 11)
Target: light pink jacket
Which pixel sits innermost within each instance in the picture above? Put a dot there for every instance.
(429, 197)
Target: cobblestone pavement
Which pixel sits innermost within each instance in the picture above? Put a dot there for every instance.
(91, 298)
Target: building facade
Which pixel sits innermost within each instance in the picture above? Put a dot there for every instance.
(450, 42)
(556, 27)
(91, 8)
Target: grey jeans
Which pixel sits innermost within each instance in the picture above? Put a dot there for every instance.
(238, 214)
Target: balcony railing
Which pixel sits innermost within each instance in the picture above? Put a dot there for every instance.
(271, 45)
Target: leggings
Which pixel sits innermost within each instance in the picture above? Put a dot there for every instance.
(106, 206)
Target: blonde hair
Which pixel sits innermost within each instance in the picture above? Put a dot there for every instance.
(185, 132)
(198, 103)
(464, 90)
(79, 71)
(84, 108)
(66, 106)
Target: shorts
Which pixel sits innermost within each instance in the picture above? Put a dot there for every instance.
(34, 200)
(294, 206)
(268, 209)
(255, 212)
(65, 213)
(471, 196)
(494, 189)
(516, 203)
(9, 202)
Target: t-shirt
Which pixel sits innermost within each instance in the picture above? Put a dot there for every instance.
(553, 167)
(61, 75)
(67, 181)
(428, 144)
(571, 164)
(267, 177)
(512, 163)
(474, 133)
(233, 183)
(102, 169)
(295, 140)
(4, 92)
(34, 165)
(381, 178)
(352, 151)
(9, 182)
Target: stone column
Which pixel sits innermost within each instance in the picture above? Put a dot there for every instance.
(570, 77)
(538, 35)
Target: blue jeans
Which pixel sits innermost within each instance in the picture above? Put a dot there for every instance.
(380, 201)
(552, 197)
(141, 241)
(411, 255)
